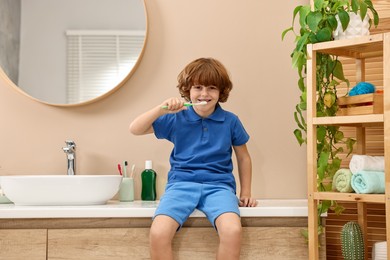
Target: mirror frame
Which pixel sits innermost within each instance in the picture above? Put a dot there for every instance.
(9, 82)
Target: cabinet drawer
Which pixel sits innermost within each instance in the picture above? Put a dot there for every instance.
(23, 244)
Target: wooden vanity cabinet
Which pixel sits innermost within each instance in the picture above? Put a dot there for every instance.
(275, 238)
(20, 244)
(189, 243)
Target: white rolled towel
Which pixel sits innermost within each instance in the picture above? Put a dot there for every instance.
(366, 163)
(379, 251)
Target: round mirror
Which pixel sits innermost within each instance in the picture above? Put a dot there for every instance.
(70, 52)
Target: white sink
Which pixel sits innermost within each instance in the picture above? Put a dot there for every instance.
(60, 190)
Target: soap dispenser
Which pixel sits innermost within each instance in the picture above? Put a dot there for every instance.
(148, 177)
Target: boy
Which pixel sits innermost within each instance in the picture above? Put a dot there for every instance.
(201, 177)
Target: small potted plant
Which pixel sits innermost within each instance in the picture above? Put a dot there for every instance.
(317, 24)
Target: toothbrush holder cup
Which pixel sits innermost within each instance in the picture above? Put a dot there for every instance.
(126, 190)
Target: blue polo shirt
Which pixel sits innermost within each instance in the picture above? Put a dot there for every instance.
(202, 146)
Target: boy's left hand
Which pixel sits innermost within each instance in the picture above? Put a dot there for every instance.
(247, 202)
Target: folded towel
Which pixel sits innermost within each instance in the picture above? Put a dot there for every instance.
(368, 182)
(366, 163)
(379, 251)
(342, 180)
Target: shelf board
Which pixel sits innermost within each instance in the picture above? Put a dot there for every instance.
(362, 47)
(360, 120)
(373, 198)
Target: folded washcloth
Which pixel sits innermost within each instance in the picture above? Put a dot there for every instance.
(342, 180)
(366, 163)
(368, 182)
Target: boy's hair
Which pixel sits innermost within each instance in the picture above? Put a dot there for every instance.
(206, 72)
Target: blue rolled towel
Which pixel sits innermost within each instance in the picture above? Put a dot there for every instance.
(368, 182)
(362, 88)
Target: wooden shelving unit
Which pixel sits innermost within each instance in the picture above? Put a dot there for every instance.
(359, 49)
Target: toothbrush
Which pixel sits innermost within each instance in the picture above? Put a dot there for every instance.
(120, 169)
(188, 104)
(125, 170)
(132, 171)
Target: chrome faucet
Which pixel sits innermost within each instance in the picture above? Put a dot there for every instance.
(70, 151)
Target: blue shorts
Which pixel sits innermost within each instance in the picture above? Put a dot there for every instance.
(181, 198)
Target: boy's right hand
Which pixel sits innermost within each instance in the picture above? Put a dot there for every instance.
(173, 105)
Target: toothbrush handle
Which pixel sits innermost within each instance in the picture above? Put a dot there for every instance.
(185, 104)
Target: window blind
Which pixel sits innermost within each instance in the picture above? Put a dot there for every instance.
(99, 60)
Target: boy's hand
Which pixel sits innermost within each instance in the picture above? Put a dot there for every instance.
(173, 105)
(247, 202)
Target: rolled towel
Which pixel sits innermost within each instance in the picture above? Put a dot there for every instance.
(342, 180)
(379, 251)
(366, 163)
(368, 182)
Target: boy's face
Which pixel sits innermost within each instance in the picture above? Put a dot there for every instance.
(210, 94)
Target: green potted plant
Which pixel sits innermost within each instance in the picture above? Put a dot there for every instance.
(317, 24)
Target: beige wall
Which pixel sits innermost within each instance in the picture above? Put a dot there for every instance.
(244, 35)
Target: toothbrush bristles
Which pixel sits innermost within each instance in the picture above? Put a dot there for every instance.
(200, 103)
(125, 169)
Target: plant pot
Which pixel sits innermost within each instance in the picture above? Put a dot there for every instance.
(356, 27)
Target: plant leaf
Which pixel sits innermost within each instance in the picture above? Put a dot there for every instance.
(296, 10)
(298, 135)
(304, 96)
(302, 42)
(301, 84)
(344, 19)
(355, 5)
(338, 70)
(301, 120)
(338, 209)
(297, 121)
(374, 12)
(286, 31)
(323, 159)
(350, 143)
(321, 172)
(303, 105)
(376, 17)
(297, 56)
(312, 38)
(339, 5)
(305, 234)
(318, 4)
(332, 22)
(324, 206)
(313, 19)
(363, 10)
(338, 136)
(303, 12)
(323, 35)
(321, 133)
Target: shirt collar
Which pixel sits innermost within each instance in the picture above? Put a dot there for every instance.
(217, 115)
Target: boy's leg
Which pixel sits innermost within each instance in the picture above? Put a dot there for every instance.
(162, 231)
(229, 231)
(177, 203)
